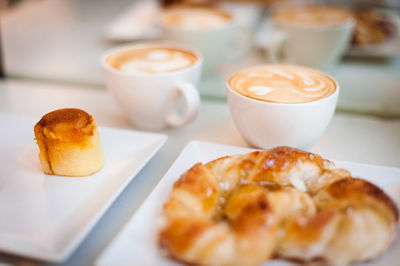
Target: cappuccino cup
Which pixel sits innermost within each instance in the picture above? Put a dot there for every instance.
(211, 31)
(275, 105)
(153, 82)
(315, 36)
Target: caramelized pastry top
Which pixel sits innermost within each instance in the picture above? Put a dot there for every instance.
(68, 124)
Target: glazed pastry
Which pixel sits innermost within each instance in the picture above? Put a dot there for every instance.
(283, 202)
(69, 143)
(373, 27)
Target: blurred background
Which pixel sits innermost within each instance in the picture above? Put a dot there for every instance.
(62, 41)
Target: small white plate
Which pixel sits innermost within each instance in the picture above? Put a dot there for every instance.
(46, 217)
(136, 244)
(387, 49)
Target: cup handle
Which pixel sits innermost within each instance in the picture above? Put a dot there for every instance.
(192, 102)
(274, 46)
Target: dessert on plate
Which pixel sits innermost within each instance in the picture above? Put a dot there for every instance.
(373, 27)
(69, 143)
(279, 203)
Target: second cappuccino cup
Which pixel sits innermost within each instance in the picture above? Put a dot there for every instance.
(154, 83)
(314, 36)
(274, 105)
(211, 31)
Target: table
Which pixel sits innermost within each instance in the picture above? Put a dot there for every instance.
(351, 137)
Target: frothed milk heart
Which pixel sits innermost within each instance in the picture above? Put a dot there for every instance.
(312, 15)
(196, 18)
(151, 60)
(283, 84)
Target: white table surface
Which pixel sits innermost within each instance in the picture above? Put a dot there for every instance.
(357, 138)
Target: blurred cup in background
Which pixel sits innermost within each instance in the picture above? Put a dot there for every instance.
(248, 16)
(310, 35)
(212, 31)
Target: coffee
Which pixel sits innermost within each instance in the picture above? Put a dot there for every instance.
(154, 83)
(152, 60)
(196, 18)
(282, 84)
(311, 15)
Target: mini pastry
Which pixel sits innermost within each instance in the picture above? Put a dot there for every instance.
(69, 143)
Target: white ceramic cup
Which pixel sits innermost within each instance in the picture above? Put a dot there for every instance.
(318, 46)
(215, 44)
(152, 100)
(267, 124)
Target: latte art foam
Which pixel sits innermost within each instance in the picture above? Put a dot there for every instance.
(196, 18)
(283, 84)
(151, 60)
(312, 15)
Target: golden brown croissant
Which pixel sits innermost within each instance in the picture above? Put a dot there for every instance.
(283, 202)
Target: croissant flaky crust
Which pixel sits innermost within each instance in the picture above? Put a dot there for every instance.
(69, 143)
(283, 202)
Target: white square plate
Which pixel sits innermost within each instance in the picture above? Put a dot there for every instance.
(136, 244)
(46, 217)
